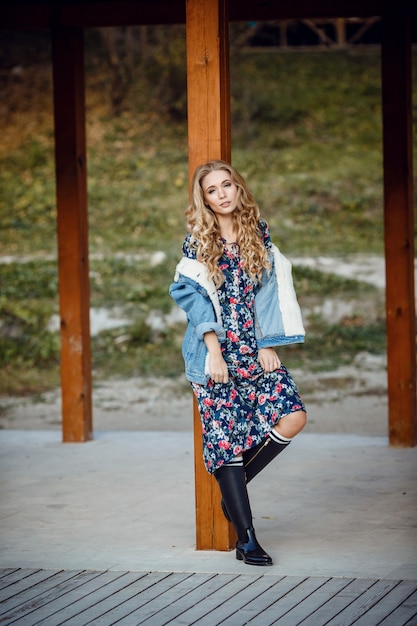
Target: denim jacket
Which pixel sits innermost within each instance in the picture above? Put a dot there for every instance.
(277, 313)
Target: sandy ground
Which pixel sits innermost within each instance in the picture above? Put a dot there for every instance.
(348, 400)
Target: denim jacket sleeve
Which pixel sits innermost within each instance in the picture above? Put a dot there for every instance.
(195, 301)
(277, 312)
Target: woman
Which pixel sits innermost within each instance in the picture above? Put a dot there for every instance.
(236, 289)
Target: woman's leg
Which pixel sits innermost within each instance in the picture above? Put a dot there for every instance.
(260, 456)
(232, 483)
(291, 424)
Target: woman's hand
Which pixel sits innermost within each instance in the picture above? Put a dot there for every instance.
(218, 368)
(269, 359)
(217, 365)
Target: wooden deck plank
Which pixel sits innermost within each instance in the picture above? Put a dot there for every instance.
(233, 607)
(337, 603)
(32, 586)
(100, 602)
(389, 603)
(126, 605)
(250, 610)
(181, 610)
(363, 603)
(46, 592)
(184, 598)
(159, 593)
(214, 602)
(228, 598)
(170, 601)
(312, 603)
(7, 572)
(209, 602)
(274, 612)
(85, 599)
(406, 614)
(17, 577)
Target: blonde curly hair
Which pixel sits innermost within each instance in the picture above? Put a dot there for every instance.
(205, 231)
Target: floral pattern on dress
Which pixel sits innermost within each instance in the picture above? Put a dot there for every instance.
(238, 415)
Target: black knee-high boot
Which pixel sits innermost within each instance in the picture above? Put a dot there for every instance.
(232, 483)
(257, 458)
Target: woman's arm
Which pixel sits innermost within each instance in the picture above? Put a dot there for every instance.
(198, 307)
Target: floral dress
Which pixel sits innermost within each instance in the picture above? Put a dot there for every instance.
(238, 415)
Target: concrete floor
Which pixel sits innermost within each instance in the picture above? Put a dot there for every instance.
(331, 505)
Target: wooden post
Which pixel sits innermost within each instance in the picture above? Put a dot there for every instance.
(208, 138)
(340, 31)
(399, 230)
(71, 185)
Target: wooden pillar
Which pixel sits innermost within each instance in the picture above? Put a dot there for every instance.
(340, 31)
(208, 138)
(399, 230)
(71, 186)
(283, 29)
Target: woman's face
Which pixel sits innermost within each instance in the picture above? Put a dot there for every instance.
(220, 193)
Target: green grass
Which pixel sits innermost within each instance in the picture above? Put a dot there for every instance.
(307, 136)
(311, 145)
(29, 352)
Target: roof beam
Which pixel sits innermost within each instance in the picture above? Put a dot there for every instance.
(32, 15)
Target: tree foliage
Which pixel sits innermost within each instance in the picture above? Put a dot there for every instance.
(149, 60)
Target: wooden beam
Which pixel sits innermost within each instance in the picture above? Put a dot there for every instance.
(88, 14)
(208, 81)
(23, 14)
(124, 13)
(243, 10)
(399, 230)
(208, 138)
(71, 191)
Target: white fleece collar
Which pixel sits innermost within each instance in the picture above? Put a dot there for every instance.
(191, 268)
